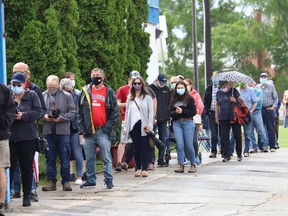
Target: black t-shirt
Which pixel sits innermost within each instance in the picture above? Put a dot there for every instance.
(225, 105)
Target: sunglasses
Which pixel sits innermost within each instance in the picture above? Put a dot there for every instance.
(137, 83)
(14, 85)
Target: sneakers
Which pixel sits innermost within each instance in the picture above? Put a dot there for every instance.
(253, 151)
(151, 166)
(72, 177)
(246, 154)
(50, 186)
(162, 163)
(144, 173)
(84, 177)
(88, 185)
(265, 150)
(67, 187)
(109, 184)
(239, 159)
(118, 167)
(34, 197)
(226, 159)
(138, 173)
(212, 155)
(272, 150)
(124, 166)
(26, 201)
(78, 182)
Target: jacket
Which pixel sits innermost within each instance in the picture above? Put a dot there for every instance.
(198, 101)
(84, 114)
(163, 101)
(146, 115)
(26, 128)
(36, 88)
(208, 99)
(63, 101)
(188, 110)
(7, 112)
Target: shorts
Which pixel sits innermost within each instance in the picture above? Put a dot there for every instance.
(4, 153)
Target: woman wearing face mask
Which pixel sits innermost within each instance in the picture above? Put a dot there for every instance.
(225, 97)
(24, 132)
(182, 110)
(139, 122)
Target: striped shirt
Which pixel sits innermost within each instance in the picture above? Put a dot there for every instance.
(270, 97)
(215, 88)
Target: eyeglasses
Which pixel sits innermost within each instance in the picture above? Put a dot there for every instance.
(137, 83)
(14, 85)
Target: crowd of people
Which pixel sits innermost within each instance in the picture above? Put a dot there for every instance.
(78, 122)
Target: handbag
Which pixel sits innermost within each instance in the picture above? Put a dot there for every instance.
(42, 145)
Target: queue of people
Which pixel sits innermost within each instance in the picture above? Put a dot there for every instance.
(78, 122)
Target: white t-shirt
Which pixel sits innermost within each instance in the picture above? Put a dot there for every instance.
(135, 113)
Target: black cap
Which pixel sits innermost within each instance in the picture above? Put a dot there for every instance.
(162, 78)
(18, 77)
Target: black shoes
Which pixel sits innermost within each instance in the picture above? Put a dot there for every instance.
(162, 163)
(226, 159)
(109, 184)
(72, 177)
(34, 197)
(212, 155)
(26, 200)
(88, 185)
(84, 177)
(118, 167)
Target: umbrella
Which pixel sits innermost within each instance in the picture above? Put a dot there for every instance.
(234, 76)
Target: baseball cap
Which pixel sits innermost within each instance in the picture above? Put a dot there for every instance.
(18, 77)
(162, 78)
(133, 74)
(264, 74)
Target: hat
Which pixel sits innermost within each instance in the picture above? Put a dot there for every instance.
(133, 74)
(264, 74)
(18, 77)
(162, 78)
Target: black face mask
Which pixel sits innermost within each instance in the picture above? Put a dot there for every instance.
(96, 80)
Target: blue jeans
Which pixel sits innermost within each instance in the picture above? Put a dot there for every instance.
(247, 137)
(214, 132)
(183, 130)
(257, 122)
(58, 144)
(269, 122)
(162, 132)
(101, 140)
(76, 151)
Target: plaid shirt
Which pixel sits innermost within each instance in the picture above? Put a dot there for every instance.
(270, 97)
(215, 88)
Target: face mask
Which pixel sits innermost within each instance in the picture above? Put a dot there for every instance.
(173, 86)
(16, 89)
(263, 81)
(215, 82)
(96, 80)
(180, 91)
(137, 87)
(73, 83)
(53, 92)
(224, 89)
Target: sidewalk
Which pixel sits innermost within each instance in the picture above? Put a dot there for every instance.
(256, 186)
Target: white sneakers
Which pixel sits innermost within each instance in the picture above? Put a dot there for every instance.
(78, 182)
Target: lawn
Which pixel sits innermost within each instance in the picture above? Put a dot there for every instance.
(283, 137)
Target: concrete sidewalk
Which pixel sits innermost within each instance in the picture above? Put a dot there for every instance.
(256, 186)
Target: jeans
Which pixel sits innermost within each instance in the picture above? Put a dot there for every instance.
(76, 150)
(269, 122)
(101, 140)
(214, 132)
(162, 132)
(247, 137)
(183, 131)
(141, 145)
(58, 144)
(257, 122)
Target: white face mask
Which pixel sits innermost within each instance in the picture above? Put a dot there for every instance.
(224, 89)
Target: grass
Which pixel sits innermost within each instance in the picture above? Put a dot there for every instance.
(283, 137)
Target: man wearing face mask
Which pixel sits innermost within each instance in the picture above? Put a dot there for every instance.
(270, 100)
(56, 127)
(162, 116)
(97, 117)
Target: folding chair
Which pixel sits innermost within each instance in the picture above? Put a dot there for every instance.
(203, 141)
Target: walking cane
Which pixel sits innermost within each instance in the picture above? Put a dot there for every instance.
(7, 195)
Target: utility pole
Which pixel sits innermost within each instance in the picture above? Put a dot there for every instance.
(207, 41)
(3, 73)
(194, 38)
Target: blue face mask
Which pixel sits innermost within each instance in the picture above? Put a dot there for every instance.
(173, 86)
(263, 81)
(180, 91)
(16, 89)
